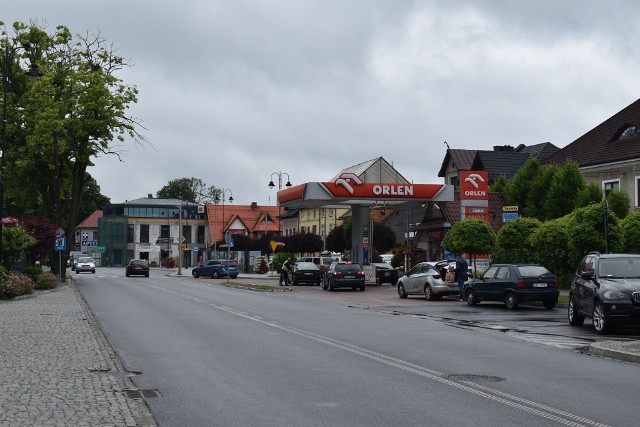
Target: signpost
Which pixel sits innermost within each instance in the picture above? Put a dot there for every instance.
(59, 246)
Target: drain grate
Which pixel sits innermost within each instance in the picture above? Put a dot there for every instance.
(475, 378)
(142, 394)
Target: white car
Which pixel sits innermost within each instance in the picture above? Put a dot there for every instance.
(85, 263)
(425, 280)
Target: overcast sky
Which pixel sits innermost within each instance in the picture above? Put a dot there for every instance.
(232, 91)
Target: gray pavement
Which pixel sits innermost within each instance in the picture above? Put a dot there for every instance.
(57, 368)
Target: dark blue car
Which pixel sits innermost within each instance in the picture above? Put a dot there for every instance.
(216, 268)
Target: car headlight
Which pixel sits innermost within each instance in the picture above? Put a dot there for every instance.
(615, 295)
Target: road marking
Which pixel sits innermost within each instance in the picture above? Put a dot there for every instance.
(547, 412)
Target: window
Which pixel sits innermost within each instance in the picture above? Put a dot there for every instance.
(144, 233)
(130, 233)
(315, 230)
(186, 232)
(200, 236)
(631, 131)
(609, 186)
(164, 231)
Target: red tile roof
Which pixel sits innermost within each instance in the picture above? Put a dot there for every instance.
(91, 221)
(252, 217)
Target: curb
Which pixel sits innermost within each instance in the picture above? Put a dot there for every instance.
(628, 351)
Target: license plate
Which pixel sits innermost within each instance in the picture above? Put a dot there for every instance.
(349, 277)
(539, 285)
(308, 274)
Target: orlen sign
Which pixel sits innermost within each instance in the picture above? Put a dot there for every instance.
(474, 185)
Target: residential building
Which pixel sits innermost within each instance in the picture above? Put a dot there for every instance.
(86, 235)
(609, 154)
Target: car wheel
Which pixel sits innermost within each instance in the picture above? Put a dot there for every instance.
(600, 321)
(362, 288)
(575, 319)
(549, 304)
(146, 275)
(324, 285)
(195, 274)
(470, 297)
(215, 274)
(93, 271)
(428, 293)
(330, 286)
(510, 301)
(234, 277)
(126, 274)
(401, 292)
(77, 271)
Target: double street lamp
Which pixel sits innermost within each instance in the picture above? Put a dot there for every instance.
(271, 184)
(222, 192)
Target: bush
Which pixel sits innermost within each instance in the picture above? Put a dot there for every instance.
(261, 265)
(46, 280)
(169, 263)
(15, 284)
(32, 272)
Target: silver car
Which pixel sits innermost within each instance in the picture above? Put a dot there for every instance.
(424, 279)
(85, 263)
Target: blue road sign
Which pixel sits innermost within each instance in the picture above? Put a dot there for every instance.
(61, 244)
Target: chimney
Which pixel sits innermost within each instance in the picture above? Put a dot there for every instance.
(150, 195)
(502, 148)
(254, 206)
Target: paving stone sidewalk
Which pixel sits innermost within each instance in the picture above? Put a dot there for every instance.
(57, 368)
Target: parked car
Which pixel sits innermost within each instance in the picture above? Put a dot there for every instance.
(513, 284)
(448, 265)
(213, 268)
(342, 274)
(606, 288)
(323, 262)
(385, 273)
(424, 279)
(306, 272)
(232, 268)
(138, 267)
(85, 263)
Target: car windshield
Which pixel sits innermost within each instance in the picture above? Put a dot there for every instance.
(306, 266)
(138, 262)
(532, 270)
(619, 267)
(85, 259)
(344, 267)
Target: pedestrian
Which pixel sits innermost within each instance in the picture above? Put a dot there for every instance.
(462, 273)
(284, 272)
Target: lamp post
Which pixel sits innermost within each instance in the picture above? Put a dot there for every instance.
(33, 73)
(271, 185)
(216, 200)
(180, 237)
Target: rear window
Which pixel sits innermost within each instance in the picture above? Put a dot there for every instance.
(533, 271)
(138, 262)
(230, 264)
(344, 267)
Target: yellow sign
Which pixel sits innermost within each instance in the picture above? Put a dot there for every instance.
(510, 208)
(184, 247)
(274, 245)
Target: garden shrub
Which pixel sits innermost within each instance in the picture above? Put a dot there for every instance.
(46, 280)
(15, 284)
(169, 263)
(32, 272)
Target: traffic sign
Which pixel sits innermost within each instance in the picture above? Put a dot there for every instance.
(60, 244)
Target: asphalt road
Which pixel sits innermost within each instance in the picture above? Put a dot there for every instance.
(230, 357)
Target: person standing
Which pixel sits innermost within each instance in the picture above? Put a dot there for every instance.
(284, 272)
(462, 274)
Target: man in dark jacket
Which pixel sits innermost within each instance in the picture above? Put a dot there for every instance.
(461, 273)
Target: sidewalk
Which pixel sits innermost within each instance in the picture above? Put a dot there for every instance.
(57, 368)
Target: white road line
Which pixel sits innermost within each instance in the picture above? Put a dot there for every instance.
(510, 400)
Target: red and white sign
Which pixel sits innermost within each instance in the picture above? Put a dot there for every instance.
(474, 185)
(476, 212)
(351, 186)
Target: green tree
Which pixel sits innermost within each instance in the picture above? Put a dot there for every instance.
(591, 193)
(471, 236)
(586, 230)
(92, 200)
(630, 232)
(500, 185)
(517, 192)
(539, 192)
(191, 190)
(564, 190)
(335, 240)
(59, 124)
(16, 243)
(515, 237)
(619, 203)
(549, 241)
(383, 238)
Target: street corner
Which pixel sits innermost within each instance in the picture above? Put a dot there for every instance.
(628, 351)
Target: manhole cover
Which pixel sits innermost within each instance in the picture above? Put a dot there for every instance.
(475, 378)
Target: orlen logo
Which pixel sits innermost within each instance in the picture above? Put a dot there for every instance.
(345, 179)
(474, 185)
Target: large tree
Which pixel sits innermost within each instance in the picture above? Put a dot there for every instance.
(192, 190)
(60, 123)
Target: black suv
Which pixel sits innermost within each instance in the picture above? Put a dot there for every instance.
(607, 289)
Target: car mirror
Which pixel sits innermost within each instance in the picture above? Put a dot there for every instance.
(587, 275)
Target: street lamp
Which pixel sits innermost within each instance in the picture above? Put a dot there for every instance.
(216, 200)
(280, 174)
(33, 73)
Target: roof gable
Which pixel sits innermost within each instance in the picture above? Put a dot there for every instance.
(462, 160)
(91, 221)
(601, 145)
(374, 170)
(498, 163)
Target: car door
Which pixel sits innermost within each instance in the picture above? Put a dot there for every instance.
(584, 286)
(482, 286)
(412, 281)
(504, 279)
